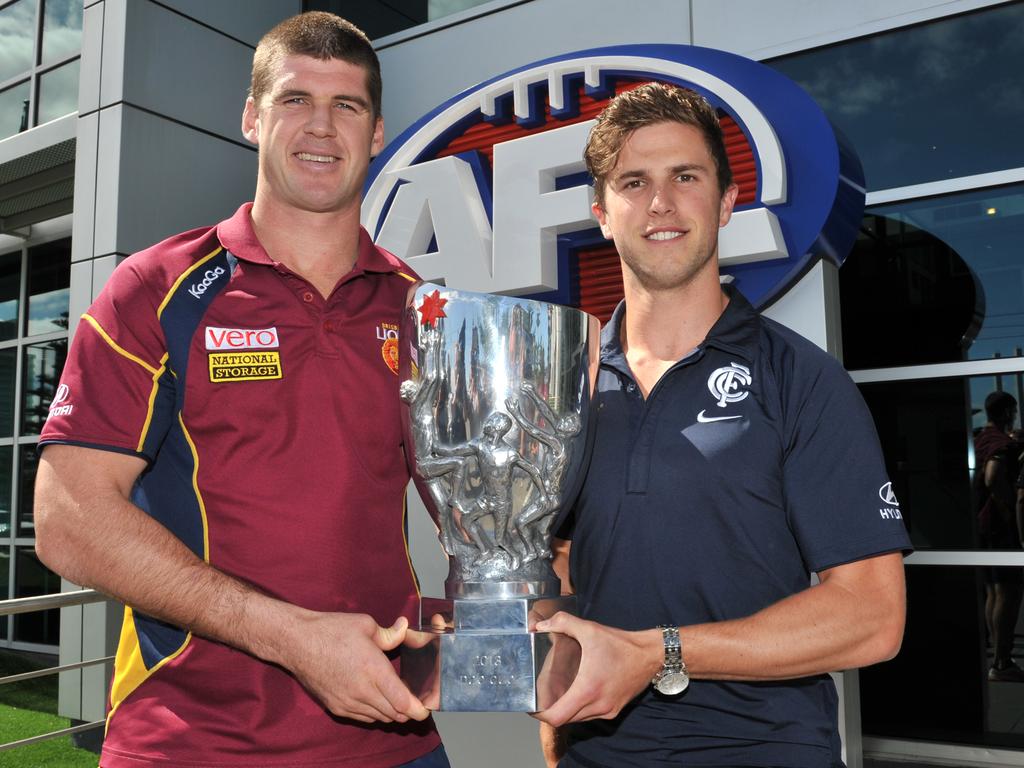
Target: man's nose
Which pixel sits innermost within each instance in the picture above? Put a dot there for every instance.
(320, 122)
(661, 200)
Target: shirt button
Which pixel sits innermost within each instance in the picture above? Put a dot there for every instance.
(307, 297)
(631, 387)
(328, 326)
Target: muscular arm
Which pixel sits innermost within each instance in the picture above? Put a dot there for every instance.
(852, 618)
(88, 531)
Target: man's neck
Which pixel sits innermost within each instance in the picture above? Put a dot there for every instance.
(319, 247)
(661, 327)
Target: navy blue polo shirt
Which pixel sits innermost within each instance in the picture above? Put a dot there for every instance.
(753, 462)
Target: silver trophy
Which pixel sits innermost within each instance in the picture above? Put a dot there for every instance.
(497, 409)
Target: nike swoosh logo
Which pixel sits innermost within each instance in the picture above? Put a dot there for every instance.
(708, 419)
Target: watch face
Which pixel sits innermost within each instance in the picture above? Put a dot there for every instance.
(672, 683)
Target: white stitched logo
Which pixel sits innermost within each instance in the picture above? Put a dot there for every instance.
(891, 509)
(708, 419)
(725, 384)
(56, 406)
(198, 289)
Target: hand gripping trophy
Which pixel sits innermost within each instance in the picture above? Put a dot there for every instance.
(497, 394)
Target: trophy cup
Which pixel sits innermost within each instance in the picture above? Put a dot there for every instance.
(497, 409)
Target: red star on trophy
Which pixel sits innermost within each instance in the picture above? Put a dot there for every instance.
(432, 309)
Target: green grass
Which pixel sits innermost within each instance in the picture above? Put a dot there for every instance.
(29, 708)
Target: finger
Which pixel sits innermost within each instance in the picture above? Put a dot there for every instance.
(388, 638)
(564, 710)
(400, 699)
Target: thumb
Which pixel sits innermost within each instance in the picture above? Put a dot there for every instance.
(388, 638)
(560, 622)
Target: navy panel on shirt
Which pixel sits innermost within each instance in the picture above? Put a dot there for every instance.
(752, 462)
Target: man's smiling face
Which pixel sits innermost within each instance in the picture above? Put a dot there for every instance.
(662, 205)
(316, 133)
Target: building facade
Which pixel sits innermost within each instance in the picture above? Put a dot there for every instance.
(119, 125)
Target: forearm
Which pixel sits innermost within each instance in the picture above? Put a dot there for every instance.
(841, 623)
(99, 539)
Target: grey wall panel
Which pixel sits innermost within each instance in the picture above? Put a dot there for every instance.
(184, 70)
(174, 178)
(79, 298)
(245, 19)
(112, 64)
(107, 182)
(86, 147)
(92, 56)
(423, 72)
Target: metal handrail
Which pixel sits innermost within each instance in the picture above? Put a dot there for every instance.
(44, 603)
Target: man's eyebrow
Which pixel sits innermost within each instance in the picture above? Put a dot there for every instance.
(687, 167)
(632, 174)
(293, 92)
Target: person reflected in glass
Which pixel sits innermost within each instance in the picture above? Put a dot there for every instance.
(996, 456)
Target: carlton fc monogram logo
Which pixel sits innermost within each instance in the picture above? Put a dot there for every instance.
(726, 384)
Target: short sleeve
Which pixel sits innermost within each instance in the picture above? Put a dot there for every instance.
(840, 502)
(109, 395)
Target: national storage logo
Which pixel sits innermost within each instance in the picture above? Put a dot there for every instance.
(489, 191)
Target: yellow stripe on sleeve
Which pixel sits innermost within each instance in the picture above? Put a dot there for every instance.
(152, 401)
(117, 347)
(410, 278)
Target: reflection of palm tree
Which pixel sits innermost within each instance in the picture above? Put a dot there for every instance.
(43, 367)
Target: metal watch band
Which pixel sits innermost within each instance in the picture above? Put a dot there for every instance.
(673, 649)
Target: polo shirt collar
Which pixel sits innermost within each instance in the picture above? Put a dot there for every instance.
(735, 331)
(239, 238)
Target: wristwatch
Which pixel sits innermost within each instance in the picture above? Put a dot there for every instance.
(672, 678)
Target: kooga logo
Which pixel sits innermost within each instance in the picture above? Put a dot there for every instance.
(198, 289)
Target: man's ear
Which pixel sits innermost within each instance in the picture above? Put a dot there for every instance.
(250, 122)
(377, 143)
(725, 207)
(602, 219)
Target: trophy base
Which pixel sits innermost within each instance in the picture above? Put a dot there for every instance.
(480, 655)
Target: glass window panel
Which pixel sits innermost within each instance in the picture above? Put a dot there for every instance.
(937, 688)
(49, 278)
(17, 38)
(10, 279)
(27, 464)
(927, 429)
(934, 101)
(58, 92)
(936, 280)
(32, 578)
(8, 363)
(14, 110)
(5, 498)
(62, 30)
(43, 364)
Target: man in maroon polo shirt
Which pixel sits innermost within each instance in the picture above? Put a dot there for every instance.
(224, 454)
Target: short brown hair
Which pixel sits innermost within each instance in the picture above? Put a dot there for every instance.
(646, 105)
(323, 36)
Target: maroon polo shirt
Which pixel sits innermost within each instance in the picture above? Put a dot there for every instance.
(269, 418)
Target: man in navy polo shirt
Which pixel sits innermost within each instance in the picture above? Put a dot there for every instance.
(224, 454)
(732, 459)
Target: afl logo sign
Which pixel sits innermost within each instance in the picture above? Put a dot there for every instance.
(489, 191)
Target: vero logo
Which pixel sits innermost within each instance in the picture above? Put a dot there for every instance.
(241, 338)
